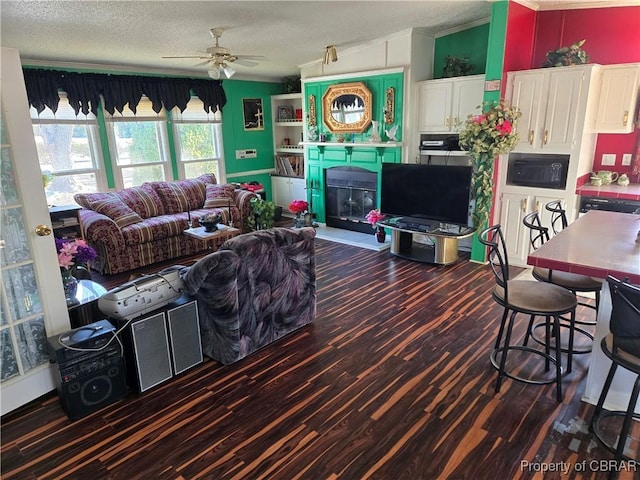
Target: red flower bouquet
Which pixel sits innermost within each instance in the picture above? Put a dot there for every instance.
(298, 206)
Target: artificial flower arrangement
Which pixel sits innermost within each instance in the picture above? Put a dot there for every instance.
(373, 217)
(298, 206)
(210, 221)
(73, 253)
(486, 136)
(571, 55)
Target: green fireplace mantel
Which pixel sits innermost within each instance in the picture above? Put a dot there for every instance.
(328, 155)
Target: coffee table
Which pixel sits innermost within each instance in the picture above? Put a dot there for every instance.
(224, 231)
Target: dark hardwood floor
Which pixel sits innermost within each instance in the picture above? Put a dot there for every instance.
(392, 381)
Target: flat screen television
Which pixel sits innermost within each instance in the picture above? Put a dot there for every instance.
(426, 193)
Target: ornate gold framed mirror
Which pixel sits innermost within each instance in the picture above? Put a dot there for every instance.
(346, 107)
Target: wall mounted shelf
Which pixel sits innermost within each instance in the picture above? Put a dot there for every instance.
(445, 153)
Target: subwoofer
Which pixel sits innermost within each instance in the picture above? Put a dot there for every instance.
(104, 384)
(91, 370)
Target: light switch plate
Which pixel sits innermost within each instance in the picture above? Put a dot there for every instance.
(608, 159)
(626, 159)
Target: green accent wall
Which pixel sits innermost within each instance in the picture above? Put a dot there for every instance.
(377, 85)
(233, 132)
(471, 43)
(358, 154)
(494, 71)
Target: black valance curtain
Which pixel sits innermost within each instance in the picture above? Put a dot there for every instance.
(85, 89)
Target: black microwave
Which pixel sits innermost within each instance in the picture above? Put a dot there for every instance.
(547, 172)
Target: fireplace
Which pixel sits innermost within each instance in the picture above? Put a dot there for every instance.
(350, 193)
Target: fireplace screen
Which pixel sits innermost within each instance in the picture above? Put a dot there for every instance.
(350, 193)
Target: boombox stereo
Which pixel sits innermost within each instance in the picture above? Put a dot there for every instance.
(90, 368)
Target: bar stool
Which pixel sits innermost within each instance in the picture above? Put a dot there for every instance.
(573, 282)
(622, 346)
(532, 298)
(580, 283)
(558, 216)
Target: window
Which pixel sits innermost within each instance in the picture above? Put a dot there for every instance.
(138, 145)
(68, 151)
(198, 138)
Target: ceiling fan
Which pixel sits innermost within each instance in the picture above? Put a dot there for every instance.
(218, 58)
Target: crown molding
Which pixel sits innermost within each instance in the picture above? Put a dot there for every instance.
(547, 5)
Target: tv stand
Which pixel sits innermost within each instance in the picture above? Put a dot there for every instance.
(433, 243)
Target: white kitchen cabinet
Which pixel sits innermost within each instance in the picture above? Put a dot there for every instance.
(514, 207)
(618, 98)
(553, 102)
(287, 189)
(443, 104)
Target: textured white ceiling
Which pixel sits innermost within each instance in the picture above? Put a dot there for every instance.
(288, 33)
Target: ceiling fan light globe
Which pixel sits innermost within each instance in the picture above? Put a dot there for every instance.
(214, 73)
(228, 71)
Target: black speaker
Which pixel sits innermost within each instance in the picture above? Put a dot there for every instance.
(91, 371)
(163, 343)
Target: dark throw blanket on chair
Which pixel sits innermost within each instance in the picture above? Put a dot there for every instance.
(255, 289)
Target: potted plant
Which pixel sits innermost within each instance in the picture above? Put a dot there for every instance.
(261, 215)
(456, 67)
(571, 55)
(210, 221)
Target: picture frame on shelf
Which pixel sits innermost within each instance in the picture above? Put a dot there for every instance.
(285, 113)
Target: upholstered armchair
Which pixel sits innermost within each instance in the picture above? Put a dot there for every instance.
(255, 289)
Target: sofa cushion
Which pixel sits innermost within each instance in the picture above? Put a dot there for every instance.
(207, 178)
(85, 199)
(172, 196)
(194, 190)
(219, 196)
(144, 201)
(116, 210)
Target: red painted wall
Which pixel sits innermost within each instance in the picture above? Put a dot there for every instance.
(613, 36)
(519, 43)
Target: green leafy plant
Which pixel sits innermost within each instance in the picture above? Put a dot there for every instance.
(571, 55)
(261, 214)
(456, 67)
(486, 136)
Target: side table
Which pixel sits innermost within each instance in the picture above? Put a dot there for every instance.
(84, 310)
(223, 233)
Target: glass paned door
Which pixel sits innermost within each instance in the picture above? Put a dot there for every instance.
(32, 304)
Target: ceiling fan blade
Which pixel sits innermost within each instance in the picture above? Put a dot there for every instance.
(246, 63)
(252, 57)
(202, 64)
(189, 56)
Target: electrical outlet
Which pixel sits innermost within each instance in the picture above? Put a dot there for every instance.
(626, 159)
(608, 159)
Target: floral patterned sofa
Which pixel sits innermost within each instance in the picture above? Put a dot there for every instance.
(255, 289)
(139, 226)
